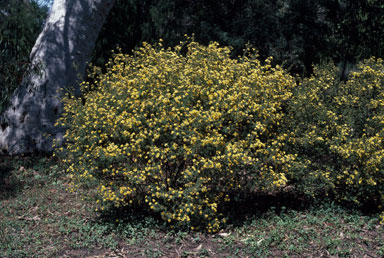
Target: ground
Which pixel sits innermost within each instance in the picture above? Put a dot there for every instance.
(40, 218)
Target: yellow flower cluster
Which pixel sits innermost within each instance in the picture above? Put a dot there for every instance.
(179, 133)
(338, 127)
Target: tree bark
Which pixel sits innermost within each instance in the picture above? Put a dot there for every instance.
(60, 57)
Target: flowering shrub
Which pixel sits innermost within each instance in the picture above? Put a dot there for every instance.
(337, 131)
(178, 133)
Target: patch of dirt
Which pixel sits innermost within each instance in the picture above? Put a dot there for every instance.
(84, 253)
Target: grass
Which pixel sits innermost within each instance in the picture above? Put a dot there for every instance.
(39, 218)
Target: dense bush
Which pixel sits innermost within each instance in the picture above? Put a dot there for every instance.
(178, 133)
(338, 131)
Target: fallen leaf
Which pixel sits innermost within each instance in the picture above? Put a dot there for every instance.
(259, 242)
(224, 234)
(36, 218)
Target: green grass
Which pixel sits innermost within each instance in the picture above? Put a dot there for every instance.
(39, 218)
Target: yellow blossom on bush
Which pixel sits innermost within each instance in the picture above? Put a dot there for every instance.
(337, 131)
(179, 132)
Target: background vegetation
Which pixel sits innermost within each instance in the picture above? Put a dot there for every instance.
(20, 24)
(297, 33)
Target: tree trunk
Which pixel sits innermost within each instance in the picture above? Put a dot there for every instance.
(60, 55)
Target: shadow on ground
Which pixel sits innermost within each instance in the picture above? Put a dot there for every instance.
(9, 184)
(19, 172)
(242, 208)
(238, 211)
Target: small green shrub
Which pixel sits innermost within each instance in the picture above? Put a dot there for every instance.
(338, 131)
(178, 133)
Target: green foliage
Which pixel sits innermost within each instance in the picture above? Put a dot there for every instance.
(20, 24)
(179, 133)
(132, 22)
(337, 133)
(288, 30)
(297, 33)
(355, 30)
